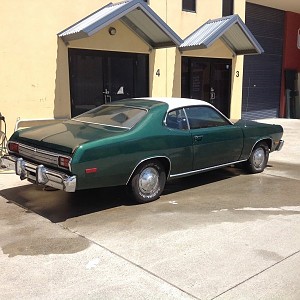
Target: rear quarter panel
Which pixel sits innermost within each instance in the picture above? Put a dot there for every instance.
(117, 157)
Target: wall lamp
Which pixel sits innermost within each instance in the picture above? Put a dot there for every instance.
(112, 30)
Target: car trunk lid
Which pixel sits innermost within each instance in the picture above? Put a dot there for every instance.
(67, 136)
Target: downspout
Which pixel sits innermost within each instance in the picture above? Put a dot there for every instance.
(167, 52)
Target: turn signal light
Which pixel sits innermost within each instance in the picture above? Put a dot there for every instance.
(91, 170)
(14, 147)
(64, 161)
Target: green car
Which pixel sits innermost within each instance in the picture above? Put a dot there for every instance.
(140, 143)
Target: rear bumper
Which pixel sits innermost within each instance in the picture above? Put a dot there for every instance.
(39, 174)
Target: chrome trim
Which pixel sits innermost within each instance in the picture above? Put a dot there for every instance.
(48, 177)
(280, 145)
(100, 124)
(206, 169)
(149, 158)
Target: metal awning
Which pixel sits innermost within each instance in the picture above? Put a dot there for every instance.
(231, 30)
(136, 14)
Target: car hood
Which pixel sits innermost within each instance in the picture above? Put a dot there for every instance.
(66, 136)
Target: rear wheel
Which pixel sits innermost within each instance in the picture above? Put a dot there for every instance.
(258, 158)
(148, 181)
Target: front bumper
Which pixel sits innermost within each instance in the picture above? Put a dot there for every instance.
(279, 145)
(39, 174)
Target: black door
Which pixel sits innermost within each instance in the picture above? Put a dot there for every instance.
(208, 80)
(98, 77)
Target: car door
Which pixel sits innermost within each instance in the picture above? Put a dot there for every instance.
(179, 141)
(215, 140)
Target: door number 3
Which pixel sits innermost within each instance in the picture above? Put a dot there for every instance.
(237, 73)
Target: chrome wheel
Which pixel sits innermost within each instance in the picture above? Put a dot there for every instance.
(258, 157)
(149, 181)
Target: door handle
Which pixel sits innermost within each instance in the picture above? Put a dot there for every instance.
(212, 94)
(107, 97)
(198, 138)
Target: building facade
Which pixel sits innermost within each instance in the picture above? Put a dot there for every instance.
(61, 58)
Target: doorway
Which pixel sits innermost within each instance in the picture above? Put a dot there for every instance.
(207, 79)
(99, 77)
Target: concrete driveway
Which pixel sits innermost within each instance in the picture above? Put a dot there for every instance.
(219, 235)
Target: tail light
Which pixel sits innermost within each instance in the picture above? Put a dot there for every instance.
(13, 147)
(64, 161)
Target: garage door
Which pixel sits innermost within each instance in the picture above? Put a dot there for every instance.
(262, 73)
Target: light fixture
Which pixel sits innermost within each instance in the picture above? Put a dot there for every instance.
(112, 30)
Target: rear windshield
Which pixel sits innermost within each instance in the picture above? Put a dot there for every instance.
(116, 116)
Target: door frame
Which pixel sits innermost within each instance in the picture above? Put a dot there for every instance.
(106, 80)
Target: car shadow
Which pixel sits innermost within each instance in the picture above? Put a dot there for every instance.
(176, 185)
(58, 206)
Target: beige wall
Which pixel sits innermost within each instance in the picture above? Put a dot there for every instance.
(182, 22)
(34, 78)
(168, 61)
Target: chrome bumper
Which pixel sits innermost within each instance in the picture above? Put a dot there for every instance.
(279, 146)
(39, 174)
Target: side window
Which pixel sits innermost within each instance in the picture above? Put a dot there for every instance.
(204, 117)
(176, 119)
(189, 5)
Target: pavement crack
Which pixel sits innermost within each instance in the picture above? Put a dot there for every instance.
(281, 176)
(130, 262)
(257, 274)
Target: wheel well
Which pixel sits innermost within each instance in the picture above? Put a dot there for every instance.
(166, 163)
(268, 141)
(162, 159)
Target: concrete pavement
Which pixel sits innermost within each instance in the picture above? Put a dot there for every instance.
(219, 235)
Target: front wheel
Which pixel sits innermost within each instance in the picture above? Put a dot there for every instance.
(148, 181)
(258, 158)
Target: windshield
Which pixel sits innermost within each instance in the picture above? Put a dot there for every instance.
(116, 116)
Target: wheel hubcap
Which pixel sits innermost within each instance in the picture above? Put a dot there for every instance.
(258, 157)
(149, 180)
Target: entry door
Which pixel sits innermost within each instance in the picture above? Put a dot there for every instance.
(99, 77)
(208, 80)
(120, 78)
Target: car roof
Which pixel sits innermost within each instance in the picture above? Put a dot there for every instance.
(174, 103)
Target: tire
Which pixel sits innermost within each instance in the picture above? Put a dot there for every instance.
(258, 159)
(148, 181)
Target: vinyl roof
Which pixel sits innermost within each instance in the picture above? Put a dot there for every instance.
(231, 30)
(136, 14)
(174, 103)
